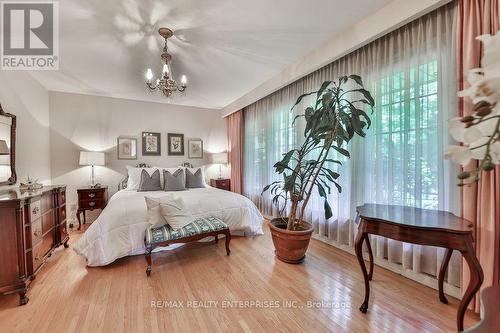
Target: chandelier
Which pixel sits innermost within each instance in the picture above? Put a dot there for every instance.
(166, 84)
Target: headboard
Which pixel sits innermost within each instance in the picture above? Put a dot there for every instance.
(123, 184)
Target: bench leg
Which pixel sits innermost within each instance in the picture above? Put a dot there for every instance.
(216, 239)
(148, 260)
(228, 239)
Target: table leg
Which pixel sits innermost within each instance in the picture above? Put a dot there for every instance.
(358, 247)
(84, 218)
(79, 221)
(442, 272)
(476, 279)
(370, 254)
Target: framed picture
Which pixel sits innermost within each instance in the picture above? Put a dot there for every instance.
(151, 144)
(175, 144)
(127, 148)
(195, 148)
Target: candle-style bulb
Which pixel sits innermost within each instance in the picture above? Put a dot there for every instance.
(184, 80)
(149, 75)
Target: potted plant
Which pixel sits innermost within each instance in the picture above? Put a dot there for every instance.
(331, 122)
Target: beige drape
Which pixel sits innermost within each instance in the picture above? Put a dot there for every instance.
(480, 202)
(235, 150)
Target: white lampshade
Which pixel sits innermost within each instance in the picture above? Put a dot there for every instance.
(91, 158)
(219, 158)
(4, 149)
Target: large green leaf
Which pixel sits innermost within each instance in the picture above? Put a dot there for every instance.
(342, 151)
(356, 78)
(301, 97)
(328, 210)
(367, 95)
(324, 85)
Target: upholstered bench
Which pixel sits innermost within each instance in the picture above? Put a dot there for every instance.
(198, 229)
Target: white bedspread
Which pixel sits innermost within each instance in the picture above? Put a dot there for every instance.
(119, 231)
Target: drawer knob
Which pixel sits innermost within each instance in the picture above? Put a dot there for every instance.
(91, 204)
(91, 195)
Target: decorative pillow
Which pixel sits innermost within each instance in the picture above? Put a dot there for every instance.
(194, 170)
(134, 177)
(170, 210)
(150, 183)
(174, 181)
(194, 180)
(154, 216)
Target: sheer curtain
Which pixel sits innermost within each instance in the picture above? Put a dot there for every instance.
(412, 74)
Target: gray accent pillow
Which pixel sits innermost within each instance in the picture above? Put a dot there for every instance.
(175, 181)
(150, 183)
(194, 180)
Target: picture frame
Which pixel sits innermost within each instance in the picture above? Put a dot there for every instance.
(126, 148)
(195, 148)
(151, 144)
(175, 144)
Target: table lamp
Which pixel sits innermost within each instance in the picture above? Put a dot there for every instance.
(219, 158)
(91, 158)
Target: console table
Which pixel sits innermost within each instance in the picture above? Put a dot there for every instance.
(423, 227)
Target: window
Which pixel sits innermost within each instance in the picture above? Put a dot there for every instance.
(403, 135)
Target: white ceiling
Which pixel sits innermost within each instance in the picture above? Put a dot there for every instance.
(225, 47)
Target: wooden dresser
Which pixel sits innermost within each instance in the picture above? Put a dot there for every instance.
(32, 225)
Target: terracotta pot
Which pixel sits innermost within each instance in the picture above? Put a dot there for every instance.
(290, 246)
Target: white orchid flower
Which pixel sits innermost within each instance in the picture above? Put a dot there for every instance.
(459, 154)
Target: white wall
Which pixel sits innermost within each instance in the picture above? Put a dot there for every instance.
(83, 122)
(379, 23)
(24, 97)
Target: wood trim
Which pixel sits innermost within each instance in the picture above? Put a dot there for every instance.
(13, 177)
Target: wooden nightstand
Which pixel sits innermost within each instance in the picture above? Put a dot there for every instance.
(90, 198)
(223, 184)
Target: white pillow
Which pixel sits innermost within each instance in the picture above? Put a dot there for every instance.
(154, 216)
(134, 177)
(166, 209)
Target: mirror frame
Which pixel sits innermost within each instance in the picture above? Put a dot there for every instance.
(13, 177)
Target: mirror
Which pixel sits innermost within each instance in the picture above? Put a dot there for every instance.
(7, 148)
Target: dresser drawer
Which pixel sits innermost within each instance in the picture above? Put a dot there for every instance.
(35, 210)
(47, 222)
(36, 231)
(47, 201)
(41, 249)
(91, 204)
(223, 184)
(91, 195)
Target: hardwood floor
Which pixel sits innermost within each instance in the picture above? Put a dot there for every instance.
(69, 297)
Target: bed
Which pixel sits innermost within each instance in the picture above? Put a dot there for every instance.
(120, 229)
